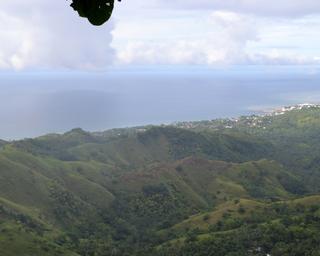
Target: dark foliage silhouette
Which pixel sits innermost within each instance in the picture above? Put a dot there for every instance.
(96, 11)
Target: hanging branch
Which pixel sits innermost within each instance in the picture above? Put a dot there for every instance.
(96, 11)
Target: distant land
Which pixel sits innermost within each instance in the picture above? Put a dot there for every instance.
(255, 120)
(244, 186)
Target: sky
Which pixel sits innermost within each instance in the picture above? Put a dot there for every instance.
(43, 34)
(155, 61)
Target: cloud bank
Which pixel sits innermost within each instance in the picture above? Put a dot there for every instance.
(43, 34)
(284, 8)
(224, 43)
(48, 34)
(220, 38)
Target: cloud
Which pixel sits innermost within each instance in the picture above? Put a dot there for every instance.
(277, 57)
(38, 34)
(283, 8)
(225, 43)
(48, 34)
(214, 38)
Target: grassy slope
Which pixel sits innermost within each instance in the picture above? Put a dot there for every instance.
(150, 180)
(230, 210)
(15, 240)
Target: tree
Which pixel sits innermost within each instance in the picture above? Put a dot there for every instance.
(96, 11)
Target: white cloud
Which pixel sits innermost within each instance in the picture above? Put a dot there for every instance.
(282, 8)
(278, 57)
(48, 34)
(224, 43)
(190, 33)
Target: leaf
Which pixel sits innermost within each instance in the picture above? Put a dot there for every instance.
(96, 11)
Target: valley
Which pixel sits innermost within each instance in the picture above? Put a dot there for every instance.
(244, 186)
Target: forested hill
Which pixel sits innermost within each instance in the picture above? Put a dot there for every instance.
(246, 186)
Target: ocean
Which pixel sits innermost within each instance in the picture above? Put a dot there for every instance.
(37, 103)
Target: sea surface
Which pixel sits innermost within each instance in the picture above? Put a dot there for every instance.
(36, 103)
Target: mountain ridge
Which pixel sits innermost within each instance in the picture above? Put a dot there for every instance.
(127, 192)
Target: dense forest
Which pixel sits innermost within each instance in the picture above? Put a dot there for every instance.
(246, 186)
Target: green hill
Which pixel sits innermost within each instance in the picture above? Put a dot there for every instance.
(169, 190)
(248, 227)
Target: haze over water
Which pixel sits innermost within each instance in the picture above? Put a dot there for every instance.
(49, 102)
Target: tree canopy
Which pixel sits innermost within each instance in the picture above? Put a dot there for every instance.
(96, 11)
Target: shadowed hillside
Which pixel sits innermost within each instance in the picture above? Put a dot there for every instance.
(169, 190)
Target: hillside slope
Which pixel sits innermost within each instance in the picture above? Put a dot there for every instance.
(129, 191)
